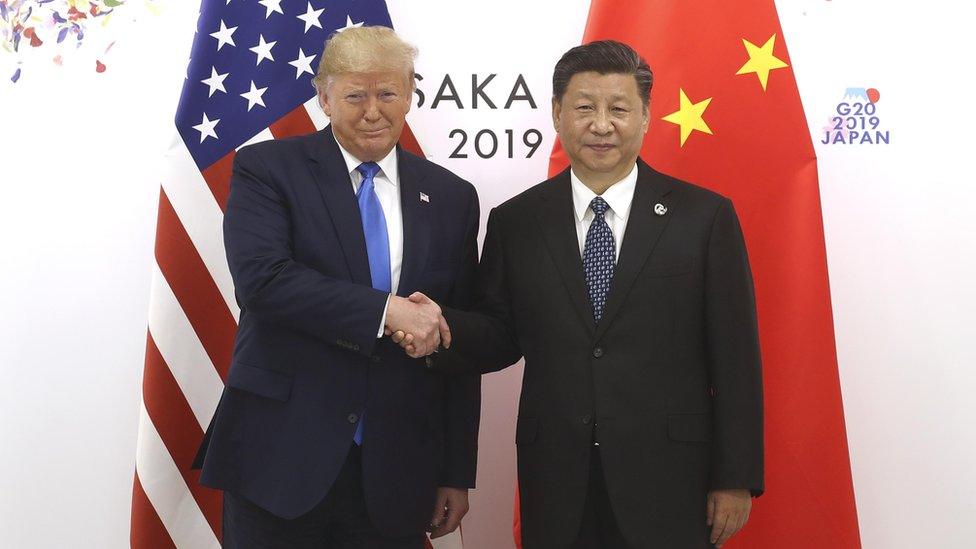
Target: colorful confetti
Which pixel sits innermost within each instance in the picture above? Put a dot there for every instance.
(55, 24)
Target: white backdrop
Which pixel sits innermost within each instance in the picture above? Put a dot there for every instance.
(901, 250)
(77, 214)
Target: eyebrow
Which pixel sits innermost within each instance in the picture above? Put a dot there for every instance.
(615, 97)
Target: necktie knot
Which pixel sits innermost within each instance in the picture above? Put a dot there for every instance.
(599, 205)
(368, 169)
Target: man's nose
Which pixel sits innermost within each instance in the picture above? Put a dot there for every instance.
(372, 112)
(601, 124)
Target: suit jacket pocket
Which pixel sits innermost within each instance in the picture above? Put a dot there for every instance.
(260, 381)
(689, 427)
(526, 430)
(669, 269)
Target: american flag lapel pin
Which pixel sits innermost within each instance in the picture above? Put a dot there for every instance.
(424, 198)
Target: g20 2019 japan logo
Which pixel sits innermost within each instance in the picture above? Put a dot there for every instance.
(855, 120)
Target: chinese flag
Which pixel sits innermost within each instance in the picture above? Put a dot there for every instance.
(726, 114)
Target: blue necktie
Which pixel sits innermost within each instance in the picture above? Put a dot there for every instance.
(377, 244)
(599, 257)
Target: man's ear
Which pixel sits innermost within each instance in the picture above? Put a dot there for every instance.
(556, 112)
(411, 88)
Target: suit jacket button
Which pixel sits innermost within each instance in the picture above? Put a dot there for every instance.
(587, 419)
(353, 418)
(598, 352)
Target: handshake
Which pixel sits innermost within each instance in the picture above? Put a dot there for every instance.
(417, 325)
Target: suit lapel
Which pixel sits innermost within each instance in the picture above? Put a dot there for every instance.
(644, 227)
(329, 169)
(556, 219)
(416, 222)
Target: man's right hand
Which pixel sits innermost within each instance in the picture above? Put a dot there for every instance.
(410, 341)
(418, 320)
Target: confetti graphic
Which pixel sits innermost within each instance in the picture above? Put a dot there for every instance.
(55, 27)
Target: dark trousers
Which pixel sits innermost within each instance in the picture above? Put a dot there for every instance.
(598, 529)
(340, 521)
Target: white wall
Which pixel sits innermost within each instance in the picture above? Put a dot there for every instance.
(901, 249)
(78, 200)
(77, 217)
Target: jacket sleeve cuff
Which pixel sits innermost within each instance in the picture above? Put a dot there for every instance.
(386, 308)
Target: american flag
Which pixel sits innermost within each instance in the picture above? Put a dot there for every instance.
(248, 80)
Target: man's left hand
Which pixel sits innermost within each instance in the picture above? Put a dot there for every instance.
(727, 512)
(451, 506)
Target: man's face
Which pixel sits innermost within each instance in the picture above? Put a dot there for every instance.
(367, 111)
(601, 122)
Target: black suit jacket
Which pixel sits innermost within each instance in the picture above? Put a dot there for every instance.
(307, 362)
(668, 383)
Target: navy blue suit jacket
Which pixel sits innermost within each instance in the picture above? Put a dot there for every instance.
(307, 362)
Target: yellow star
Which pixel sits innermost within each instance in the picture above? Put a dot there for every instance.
(761, 60)
(689, 116)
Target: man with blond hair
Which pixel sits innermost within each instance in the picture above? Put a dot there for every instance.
(327, 435)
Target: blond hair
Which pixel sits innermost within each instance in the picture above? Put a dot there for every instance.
(365, 49)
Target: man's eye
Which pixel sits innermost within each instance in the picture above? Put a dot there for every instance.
(584, 108)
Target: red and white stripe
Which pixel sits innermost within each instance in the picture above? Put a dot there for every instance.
(192, 320)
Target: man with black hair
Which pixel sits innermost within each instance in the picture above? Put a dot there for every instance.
(630, 296)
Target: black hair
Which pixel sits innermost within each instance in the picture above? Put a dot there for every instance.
(602, 57)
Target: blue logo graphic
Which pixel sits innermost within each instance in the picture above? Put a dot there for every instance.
(856, 120)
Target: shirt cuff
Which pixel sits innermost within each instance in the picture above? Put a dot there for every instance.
(383, 320)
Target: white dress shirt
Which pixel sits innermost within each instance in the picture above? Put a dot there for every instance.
(386, 183)
(619, 196)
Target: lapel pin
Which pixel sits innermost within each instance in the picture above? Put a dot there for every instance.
(660, 209)
(424, 198)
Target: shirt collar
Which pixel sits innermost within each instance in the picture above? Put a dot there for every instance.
(387, 164)
(619, 196)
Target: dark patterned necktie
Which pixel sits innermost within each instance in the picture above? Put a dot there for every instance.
(599, 257)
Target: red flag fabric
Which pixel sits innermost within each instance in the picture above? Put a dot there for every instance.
(726, 114)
